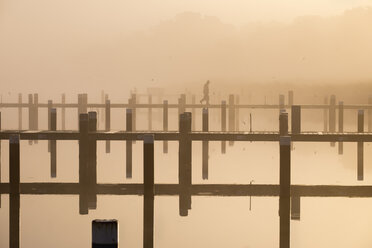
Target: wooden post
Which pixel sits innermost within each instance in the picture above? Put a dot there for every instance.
(103, 102)
(92, 161)
(165, 124)
(296, 119)
(20, 111)
(290, 98)
(134, 113)
(148, 196)
(193, 113)
(50, 105)
(14, 198)
(325, 115)
(231, 116)
(332, 116)
(205, 144)
(53, 144)
(150, 113)
(84, 106)
(223, 125)
(340, 125)
(281, 102)
(30, 115)
(105, 234)
(237, 114)
(283, 124)
(63, 112)
(36, 117)
(360, 148)
(181, 105)
(108, 123)
(129, 145)
(79, 109)
(295, 208)
(184, 163)
(83, 155)
(285, 191)
(370, 114)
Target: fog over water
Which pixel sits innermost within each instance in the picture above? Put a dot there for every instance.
(257, 49)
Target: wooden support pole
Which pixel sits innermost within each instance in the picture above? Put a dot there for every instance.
(285, 191)
(223, 125)
(63, 112)
(295, 208)
(283, 124)
(129, 145)
(205, 145)
(296, 119)
(370, 114)
(134, 112)
(148, 196)
(281, 102)
(184, 163)
(181, 105)
(193, 101)
(150, 113)
(165, 124)
(108, 123)
(290, 98)
(79, 109)
(84, 107)
(325, 115)
(237, 114)
(36, 114)
(360, 148)
(340, 125)
(53, 144)
(231, 116)
(14, 197)
(19, 111)
(50, 105)
(83, 155)
(30, 115)
(92, 162)
(105, 234)
(332, 116)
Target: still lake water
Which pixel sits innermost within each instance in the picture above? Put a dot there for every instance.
(219, 222)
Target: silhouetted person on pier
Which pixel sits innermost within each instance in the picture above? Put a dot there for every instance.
(205, 93)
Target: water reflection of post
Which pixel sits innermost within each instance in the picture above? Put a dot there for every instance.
(205, 145)
(285, 184)
(128, 145)
(165, 124)
(184, 163)
(360, 145)
(14, 198)
(148, 201)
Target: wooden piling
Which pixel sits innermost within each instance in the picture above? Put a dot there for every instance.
(83, 155)
(53, 143)
(285, 191)
(84, 107)
(283, 124)
(184, 163)
(165, 124)
(108, 122)
(281, 102)
(30, 115)
(36, 114)
(360, 148)
(92, 162)
(295, 208)
(193, 101)
(332, 116)
(134, 112)
(20, 111)
(205, 144)
(105, 234)
(129, 144)
(340, 126)
(148, 196)
(223, 125)
(290, 98)
(181, 105)
(63, 112)
(296, 119)
(14, 194)
(79, 108)
(231, 115)
(50, 105)
(325, 115)
(237, 114)
(150, 113)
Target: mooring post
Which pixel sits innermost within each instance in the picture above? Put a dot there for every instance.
(332, 116)
(360, 148)
(108, 122)
(370, 114)
(296, 119)
(92, 161)
(129, 144)
(184, 163)
(49, 109)
(148, 196)
(223, 125)
(150, 113)
(105, 234)
(237, 114)
(290, 98)
(295, 208)
(83, 155)
(193, 101)
(165, 124)
(285, 191)
(63, 112)
(20, 111)
(14, 199)
(325, 114)
(281, 102)
(340, 125)
(36, 114)
(205, 144)
(283, 124)
(53, 144)
(231, 116)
